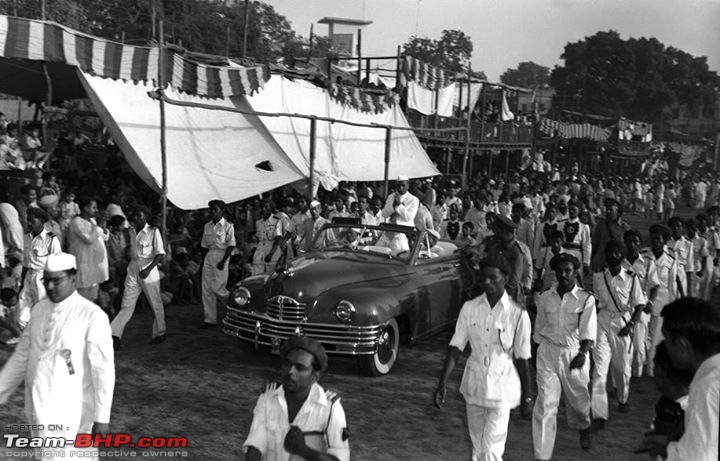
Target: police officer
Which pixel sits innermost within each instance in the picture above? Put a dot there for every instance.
(219, 241)
(504, 245)
(620, 302)
(146, 253)
(565, 329)
(498, 331)
(299, 417)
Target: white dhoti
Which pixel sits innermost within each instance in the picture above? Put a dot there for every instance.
(488, 431)
(396, 241)
(554, 378)
(32, 291)
(213, 282)
(150, 286)
(614, 353)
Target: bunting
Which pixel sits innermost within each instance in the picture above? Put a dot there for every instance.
(364, 101)
(424, 74)
(48, 41)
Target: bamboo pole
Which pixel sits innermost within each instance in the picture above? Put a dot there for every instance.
(311, 176)
(48, 103)
(163, 143)
(468, 127)
(388, 138)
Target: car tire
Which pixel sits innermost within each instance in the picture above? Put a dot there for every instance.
(382, 361)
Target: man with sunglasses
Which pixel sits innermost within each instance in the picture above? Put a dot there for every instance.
(65, 356)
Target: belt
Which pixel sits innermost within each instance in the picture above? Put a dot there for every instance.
(570, 245)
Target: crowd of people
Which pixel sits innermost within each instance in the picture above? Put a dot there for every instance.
(553, 248)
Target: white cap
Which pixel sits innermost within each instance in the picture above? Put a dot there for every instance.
(403, 178)
(314, 203)
(60, 262)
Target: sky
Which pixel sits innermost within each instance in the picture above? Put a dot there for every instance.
(507, 32)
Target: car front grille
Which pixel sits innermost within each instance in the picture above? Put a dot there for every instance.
(285, 308)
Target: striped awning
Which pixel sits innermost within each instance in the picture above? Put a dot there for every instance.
(574, 130)
(27, 39)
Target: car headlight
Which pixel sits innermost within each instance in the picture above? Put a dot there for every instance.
(241, 296)
(345, 312)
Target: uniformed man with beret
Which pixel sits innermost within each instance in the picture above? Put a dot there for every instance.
(298, 419)
(504, 245)
(620, 301)
(39, 244)
(219, 241)
(565, 329)
(497, 374)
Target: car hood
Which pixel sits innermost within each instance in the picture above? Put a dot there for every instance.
(314, 273)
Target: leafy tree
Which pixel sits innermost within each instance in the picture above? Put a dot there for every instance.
(637, 78)
(450, 52)
(527, 75)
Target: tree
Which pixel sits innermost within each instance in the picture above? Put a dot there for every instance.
(451, 52)
(637, 78)
(527, 75)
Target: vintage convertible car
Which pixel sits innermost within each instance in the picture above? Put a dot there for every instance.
(357, 292)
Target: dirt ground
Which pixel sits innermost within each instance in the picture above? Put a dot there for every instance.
(202, 384)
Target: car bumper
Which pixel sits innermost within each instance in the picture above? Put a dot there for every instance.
(262, 330)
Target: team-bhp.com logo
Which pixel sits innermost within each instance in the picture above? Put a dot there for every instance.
(120, 440)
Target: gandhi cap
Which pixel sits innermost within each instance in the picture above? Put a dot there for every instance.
(48, 200)
(308, 345)
(60, 262)
(403, 178)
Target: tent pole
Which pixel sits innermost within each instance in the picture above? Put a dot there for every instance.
(467, 133)
(48, 103)
(359, 57)
(311, 177)
(163, 146)
(388, 136)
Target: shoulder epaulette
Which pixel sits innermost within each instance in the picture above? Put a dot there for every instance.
(332, 396)
(271, 387)
(51, 234)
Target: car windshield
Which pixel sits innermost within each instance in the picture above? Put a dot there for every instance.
(366, 239)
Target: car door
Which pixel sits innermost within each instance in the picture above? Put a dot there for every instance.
(442, 281)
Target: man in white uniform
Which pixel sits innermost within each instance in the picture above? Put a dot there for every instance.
(146, 253)
(498, 330)
(39, 244)
(620, 302)
(219, 241)
(65, 356)
(565, 329)
(400, 208)
(268, 228)
(299, 419)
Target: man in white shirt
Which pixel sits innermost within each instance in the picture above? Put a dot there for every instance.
(620, 302)
(219, 241)
(565, 329)
(400, 208)
(146, 253)
(39, 244)
(683, 252)
(66, 359)
(691, 328)
(498, 330)
(299, 419)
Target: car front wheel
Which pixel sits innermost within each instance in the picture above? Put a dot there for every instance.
(382, 361)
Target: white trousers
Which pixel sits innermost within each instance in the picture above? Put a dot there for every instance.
(614, 353)
(32, 291)
(488, 431)
(150, 286)
(554, 378)
(259, 265)
(213, 282)
(654, 338)
(640, 345)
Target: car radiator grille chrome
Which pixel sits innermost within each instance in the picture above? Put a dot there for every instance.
(285, 308)
(265, 329)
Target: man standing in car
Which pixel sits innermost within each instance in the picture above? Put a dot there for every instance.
(400, 208)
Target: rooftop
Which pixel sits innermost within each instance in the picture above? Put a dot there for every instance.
(344, 21)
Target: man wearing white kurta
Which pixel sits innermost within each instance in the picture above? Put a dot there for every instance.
(565, 329)
(620, 302)
(146, 252)
(85, 242)
(219, 239)
(39, 244)
(66, 358)
(400, 208)
(498, 330)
